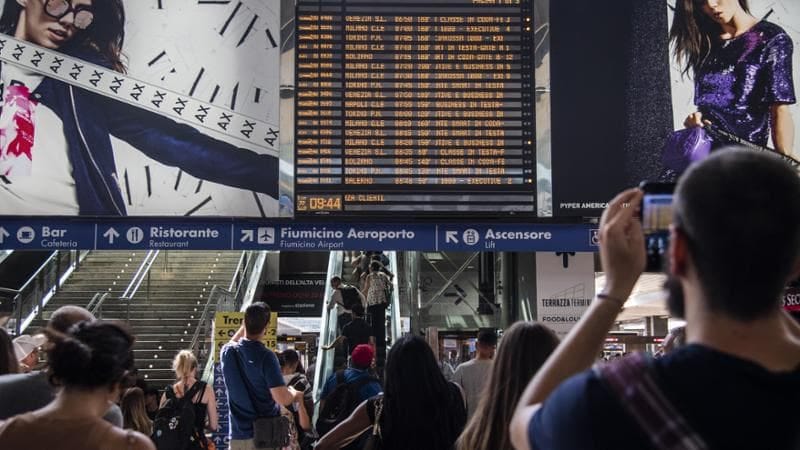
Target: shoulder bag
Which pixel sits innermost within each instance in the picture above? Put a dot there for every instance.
(375, 439)
(268, 431)
(632, 380)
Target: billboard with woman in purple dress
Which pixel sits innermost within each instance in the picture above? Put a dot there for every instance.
(740, 65)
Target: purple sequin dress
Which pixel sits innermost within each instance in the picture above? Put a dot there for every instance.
(742, 77)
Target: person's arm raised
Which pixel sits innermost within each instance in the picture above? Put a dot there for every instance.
(346, 431)
(337, 341)
(622, 253)
(239, 334)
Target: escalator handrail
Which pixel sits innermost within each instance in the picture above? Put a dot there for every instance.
(396, 328)
(328, 330)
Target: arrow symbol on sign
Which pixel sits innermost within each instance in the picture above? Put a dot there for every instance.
(219, 392)
(221, 333)
(111, 234)
(451, 236)
(247, 236)
(3, 235)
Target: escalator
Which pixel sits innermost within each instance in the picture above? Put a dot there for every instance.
(329, 360)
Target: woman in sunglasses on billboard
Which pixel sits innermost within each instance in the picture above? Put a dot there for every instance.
(742, 70)
(56, 154)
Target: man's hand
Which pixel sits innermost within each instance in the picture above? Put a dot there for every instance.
(622, 249)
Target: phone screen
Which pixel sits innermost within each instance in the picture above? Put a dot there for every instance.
(656, 218)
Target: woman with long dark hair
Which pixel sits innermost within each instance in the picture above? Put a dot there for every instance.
(134, 413)
(92, 363)
(295, 376)
(56, 153)
(742, 70)
(418, 409)
(523, 350)
(8, 360)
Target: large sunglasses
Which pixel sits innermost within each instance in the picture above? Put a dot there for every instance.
(60, 8)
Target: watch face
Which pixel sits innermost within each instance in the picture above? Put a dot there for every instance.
(223, 52)
(226, 53)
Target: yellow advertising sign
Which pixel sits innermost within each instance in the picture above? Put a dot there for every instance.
(227, 323)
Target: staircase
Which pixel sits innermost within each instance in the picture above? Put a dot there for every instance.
(164, 316)
(167, 307)
(100, 272)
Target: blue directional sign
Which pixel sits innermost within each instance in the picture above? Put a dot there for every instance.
(220, 437)
(164, 236)
(328, 237)
(37, 234)
(112, 234)
(515, 237)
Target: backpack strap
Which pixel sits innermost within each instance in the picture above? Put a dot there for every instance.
(201, 387)
(248, 386)
(357, 385)
(340, 377)
(632, 381)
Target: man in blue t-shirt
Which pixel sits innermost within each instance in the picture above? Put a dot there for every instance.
(734, 245)
(261, 369)
(360, 362)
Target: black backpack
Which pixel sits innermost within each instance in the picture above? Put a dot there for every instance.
(340, 403)
(350, 296)
(173, 428)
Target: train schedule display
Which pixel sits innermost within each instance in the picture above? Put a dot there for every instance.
(414, 107)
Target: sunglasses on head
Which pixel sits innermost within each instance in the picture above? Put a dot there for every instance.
(57, 9)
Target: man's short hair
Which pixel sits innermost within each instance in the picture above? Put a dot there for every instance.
(739, 211)
(336, 280)
(256, 318)
(487, 337)
(358, 310)
(66, 316)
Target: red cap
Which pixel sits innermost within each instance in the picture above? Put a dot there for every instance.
(362, 355)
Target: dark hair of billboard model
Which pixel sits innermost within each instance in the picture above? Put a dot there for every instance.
(105, 35)
(693, 32)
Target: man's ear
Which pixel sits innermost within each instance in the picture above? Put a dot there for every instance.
(23, 3)
(678, 251)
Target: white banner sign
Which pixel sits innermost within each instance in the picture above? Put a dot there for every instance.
(564, 289)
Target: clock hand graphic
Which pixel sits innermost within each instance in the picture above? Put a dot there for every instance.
(223, 52)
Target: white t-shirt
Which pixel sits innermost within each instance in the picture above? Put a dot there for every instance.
(43, 184)
(472, 376)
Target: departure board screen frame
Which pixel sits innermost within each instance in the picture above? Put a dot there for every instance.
(397, 109)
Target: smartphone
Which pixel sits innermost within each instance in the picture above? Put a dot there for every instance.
(656, 211)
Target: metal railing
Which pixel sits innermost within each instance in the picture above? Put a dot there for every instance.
(29, 300)
(96, 305)
(240, 291)
(133, 287)
(328, 331)
(395, 324)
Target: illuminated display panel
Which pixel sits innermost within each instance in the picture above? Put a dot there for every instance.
(424, 107)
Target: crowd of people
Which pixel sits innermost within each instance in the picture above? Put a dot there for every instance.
(527, 391)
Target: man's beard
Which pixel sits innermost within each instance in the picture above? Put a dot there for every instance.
(675, 299)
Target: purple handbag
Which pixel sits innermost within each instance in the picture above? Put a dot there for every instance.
(684, 147)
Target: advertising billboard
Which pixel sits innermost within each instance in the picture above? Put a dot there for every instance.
(745, 74)
(134, 108)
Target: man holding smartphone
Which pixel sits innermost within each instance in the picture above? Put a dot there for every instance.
(734, 244)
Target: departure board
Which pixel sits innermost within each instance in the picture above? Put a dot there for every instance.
(423, 107)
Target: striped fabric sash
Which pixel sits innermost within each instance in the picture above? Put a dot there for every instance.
(631, 379)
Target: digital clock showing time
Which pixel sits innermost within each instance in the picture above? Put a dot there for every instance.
(319, 203)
